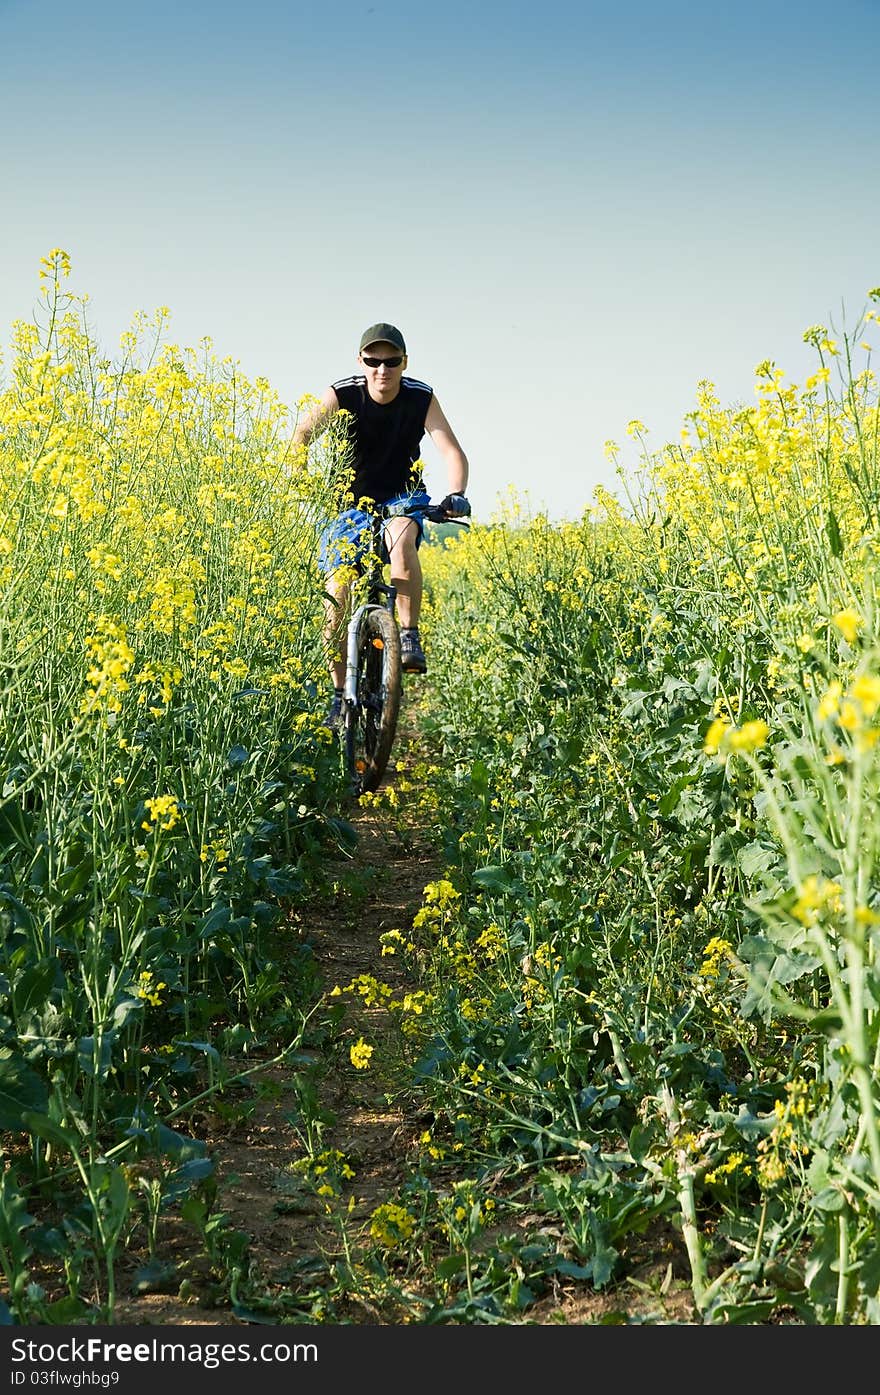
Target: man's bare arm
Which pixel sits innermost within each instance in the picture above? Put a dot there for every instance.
(316, 418)
(444, 438)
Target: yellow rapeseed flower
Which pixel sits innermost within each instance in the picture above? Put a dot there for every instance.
(715, 735)
(360, 1054)
(865, 690)
(815, 895)
(829, 703)
(391, 1225)
(162, 810)
(715, 952)
(148, 990)
(751, 736)
(849, 622)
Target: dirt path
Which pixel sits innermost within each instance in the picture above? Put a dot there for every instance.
(259, 1191)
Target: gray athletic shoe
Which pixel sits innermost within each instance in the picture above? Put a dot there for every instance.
(412, 656)
(334, 716)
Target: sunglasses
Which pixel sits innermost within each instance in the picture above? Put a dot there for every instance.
(394, 362)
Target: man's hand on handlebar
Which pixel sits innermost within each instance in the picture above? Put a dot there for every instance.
(455, 506)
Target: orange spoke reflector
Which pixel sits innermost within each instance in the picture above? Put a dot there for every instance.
(378, 643)
(360, 766)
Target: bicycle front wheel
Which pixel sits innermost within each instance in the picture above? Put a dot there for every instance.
(370, 724)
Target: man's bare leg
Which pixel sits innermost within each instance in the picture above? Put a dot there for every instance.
(406, 569)
(406, 574)
(335, 625)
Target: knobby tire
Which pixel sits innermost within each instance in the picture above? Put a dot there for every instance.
(371, 725)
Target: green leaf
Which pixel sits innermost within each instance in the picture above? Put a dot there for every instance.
(178, 1145)
(205, 1047)
(828, 1020)
(46, 1128)
(21, 1089)
(744, 1314)
(818, 1173)
(344, 832)
(450, 1266)
(166, 1141)
(249, 1315)
(216, 919)
(670, 799)
(184, 1179)
(572, 1270)
(14, 1221)
(724, 849)
(125, 1007)
(193, 1170)
(480, 777)
(755, 858)
(34, 985)
(94, 1061)
(829, 1199)
(832, 530)
(640, 1141)
(282, 882)
(496, 878)
(156, 1276)
(16, 827)
(118, 1197)
(604, 1256)
(66, 1310)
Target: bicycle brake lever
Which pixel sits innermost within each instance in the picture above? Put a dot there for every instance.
(436, 517)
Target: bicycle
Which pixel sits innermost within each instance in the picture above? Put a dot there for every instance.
(372, 689)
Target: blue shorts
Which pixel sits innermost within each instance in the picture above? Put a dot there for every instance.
(346, 540)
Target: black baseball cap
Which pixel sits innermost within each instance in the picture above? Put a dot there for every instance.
(385, 334)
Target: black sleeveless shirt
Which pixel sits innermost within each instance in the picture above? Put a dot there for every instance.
(384, 437)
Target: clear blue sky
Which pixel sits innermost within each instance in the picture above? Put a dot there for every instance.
(573, 212)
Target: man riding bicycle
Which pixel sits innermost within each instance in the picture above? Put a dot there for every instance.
(386, 417)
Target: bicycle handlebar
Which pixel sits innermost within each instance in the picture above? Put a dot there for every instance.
(435, 514)
(432, 512)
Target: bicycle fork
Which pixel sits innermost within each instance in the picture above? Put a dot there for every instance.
(349, 691)
(352, 648)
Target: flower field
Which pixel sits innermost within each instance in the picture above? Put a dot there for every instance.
(642, 997)
(165, 783)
